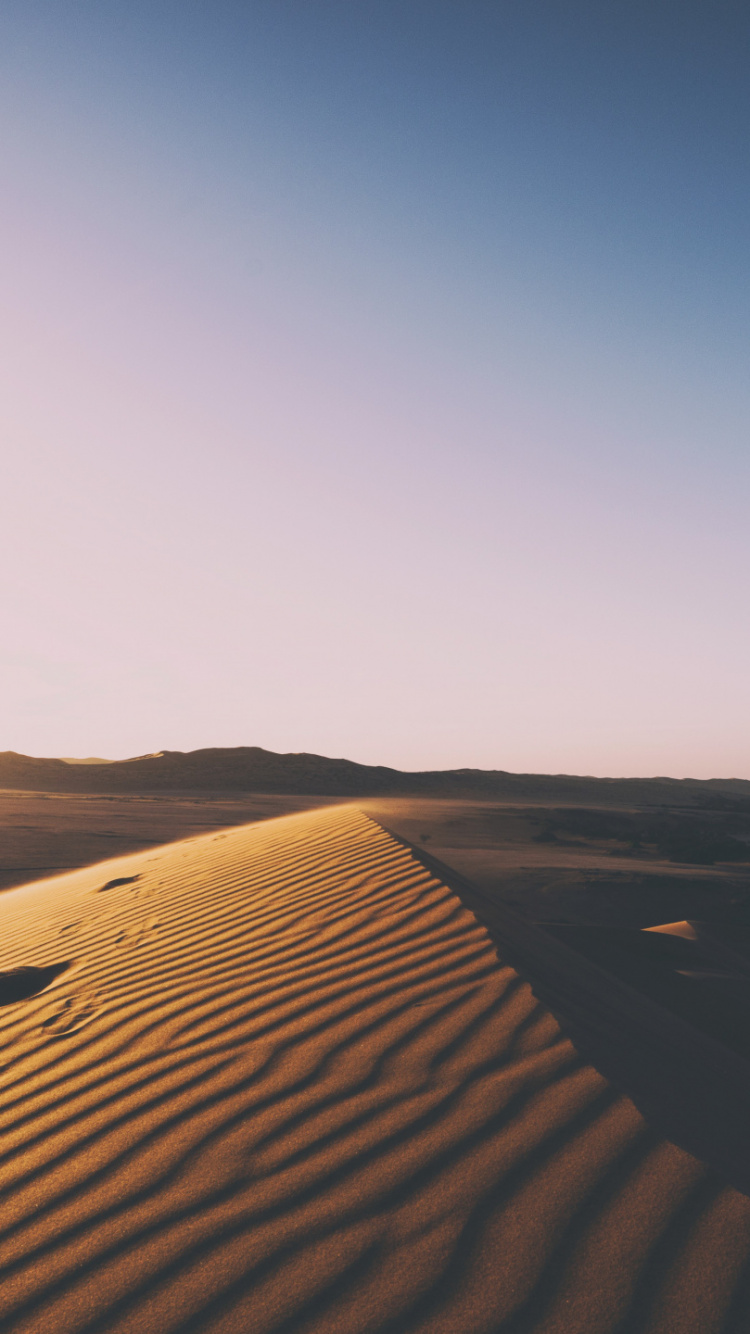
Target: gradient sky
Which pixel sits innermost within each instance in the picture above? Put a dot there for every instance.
(375, 381)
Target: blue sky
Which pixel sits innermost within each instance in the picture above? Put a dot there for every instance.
(375, 381)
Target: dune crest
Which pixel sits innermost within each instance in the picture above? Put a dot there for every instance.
(279, 1081)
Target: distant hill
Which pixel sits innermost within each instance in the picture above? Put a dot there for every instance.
(251, 769)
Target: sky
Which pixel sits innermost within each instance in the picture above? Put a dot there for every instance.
(374, 381)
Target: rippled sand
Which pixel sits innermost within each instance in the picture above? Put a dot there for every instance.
(285, 1084)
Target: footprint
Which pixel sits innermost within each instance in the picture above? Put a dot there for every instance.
(136, 936)
(74, 1013)
(119, 880)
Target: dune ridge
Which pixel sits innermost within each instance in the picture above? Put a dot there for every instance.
(284, 1084)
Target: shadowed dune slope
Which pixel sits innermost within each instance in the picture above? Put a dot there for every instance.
(284, 1084)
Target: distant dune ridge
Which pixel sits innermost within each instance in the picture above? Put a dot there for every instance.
(252, 769)
(284, 1085)
(88, 759)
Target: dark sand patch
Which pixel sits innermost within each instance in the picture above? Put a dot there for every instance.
(21, 983)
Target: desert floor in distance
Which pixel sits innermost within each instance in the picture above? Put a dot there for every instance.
(581, 874)
(579, 877)
(276, 1079)
(44, 833)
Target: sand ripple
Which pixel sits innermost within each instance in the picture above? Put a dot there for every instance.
(284, 1085)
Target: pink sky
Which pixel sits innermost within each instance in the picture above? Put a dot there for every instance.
(282, 468)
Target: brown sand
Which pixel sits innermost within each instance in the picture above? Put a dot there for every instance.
(285, 1085)
(44, 833)
(494, 845)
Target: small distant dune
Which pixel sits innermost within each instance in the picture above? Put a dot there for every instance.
(90, 759)
(276, 1080)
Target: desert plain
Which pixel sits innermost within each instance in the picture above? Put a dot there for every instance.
(266, 1070)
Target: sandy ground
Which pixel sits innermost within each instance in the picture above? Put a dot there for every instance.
(493, 845)
(286, 1085)
(42, 833)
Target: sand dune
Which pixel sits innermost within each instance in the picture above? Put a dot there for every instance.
(44, 834)
(276, 1079)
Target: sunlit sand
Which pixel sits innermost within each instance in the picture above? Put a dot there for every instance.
(277, 1079)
